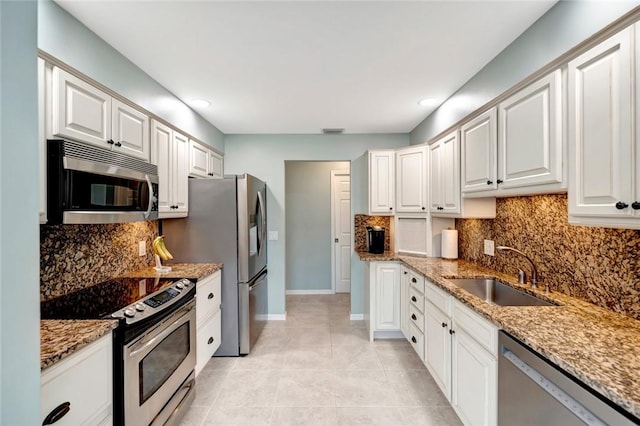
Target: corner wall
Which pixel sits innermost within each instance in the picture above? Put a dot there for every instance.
(19, 303)
(564, 26)
(264, 157)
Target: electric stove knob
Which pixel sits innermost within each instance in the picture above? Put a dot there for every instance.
(180, 285)
(140, 307)
(129, 313)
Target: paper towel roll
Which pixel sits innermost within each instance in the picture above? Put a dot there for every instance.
(449, 244)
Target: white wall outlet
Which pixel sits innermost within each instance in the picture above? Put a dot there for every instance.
(142, 248)
(273, 235)
(489, 247)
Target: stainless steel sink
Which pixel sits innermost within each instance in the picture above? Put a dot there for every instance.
(498, 293)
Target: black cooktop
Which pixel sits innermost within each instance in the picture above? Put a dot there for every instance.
(101, 300)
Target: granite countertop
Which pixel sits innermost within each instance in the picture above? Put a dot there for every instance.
(178, 270)
(598, 346)
(61, 338)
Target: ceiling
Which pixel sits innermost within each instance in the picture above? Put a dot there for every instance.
(300, 66)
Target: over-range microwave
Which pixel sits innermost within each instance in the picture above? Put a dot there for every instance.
(86, 184)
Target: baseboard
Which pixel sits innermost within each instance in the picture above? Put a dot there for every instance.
(388, 334)
(310, 292)
(277, 317)
(357, 317)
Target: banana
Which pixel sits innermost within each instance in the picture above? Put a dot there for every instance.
(160, 249)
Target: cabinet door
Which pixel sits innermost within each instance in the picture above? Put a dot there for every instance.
(404, 302)
(387, 297)
(180, 165)
(473, 381)
(530, 135)
(216, 165)
(437, 351)
(198, 160)
(80, 111)
(436, 196)
(381, 181)
(161, 137)
(478, 141)
(450, 173)
(130, 130)
(411, 180)
(600, 129)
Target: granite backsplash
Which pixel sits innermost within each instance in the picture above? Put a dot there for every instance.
(73, 257)
(598, 265)
(361, 221)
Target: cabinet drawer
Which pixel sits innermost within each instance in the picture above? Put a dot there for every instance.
(416, 299)
(416, 317)
(208, 296)
(440, 298)
(480, 329)
(84, 380)
(416, 338)
(417, 281)
(208, 338)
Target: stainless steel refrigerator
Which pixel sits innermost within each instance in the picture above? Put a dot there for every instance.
(227, 224)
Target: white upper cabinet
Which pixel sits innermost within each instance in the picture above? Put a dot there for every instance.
(601, 142)
(204, 162)
(80, 111)
(85, 113)
(530, 148)
(216, 165)
(381, 182)
(130, 130)
(411, 179)
(478, 137)
(42, 141)
(170, 150)
(444, 183)
(198, 160)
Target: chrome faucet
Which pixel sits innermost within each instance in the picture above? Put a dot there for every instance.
(534, 270)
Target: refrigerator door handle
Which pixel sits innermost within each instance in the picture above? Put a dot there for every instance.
(264, 223)
(258, 281)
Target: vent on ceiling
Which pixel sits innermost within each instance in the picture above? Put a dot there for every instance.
(334, 131)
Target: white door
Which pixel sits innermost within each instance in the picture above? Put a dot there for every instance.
(478, 140)
(437, 354)
(130, 130)
(450, 173)
(198, 160)
(600, 129)
(411, 181)
(180, 165)
(381, 182)
(341, 226)
(216, 165)
(435, 177)
(387, 310)
(161, 156)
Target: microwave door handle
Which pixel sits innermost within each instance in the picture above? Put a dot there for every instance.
(151, 197)
(264, 222)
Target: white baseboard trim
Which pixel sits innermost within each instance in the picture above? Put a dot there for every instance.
(310, 292)
(357, 317)
(277, 317)
(388, 334)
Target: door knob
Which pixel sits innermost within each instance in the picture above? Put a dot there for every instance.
(336, 240)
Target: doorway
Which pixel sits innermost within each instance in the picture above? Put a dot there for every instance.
(341, 230)
(309, 233)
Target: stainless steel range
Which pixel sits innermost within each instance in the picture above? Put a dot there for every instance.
(154, 343)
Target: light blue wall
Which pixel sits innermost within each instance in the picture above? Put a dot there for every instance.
(561, 28)
(359, 201)
(64, 37)
(308, 223)
(19, 230)
(264, 157)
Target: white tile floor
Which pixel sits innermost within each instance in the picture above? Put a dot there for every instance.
(318, 368)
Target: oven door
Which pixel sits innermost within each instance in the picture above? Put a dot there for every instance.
(157, 364)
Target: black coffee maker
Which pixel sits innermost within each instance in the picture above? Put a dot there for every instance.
(375, 239)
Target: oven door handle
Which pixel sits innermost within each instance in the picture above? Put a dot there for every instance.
(144, 343)
(151, 197)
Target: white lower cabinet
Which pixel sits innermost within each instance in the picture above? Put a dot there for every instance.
(404, 301)
(83, 384)
(460, 353)
(382, 290)
(208, 318)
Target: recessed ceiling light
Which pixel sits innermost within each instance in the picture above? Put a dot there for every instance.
(428, 102)
(199, 103)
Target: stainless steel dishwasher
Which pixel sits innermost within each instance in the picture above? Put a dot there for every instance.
(533, 391)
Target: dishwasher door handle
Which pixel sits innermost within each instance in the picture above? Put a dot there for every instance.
(552, 389)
